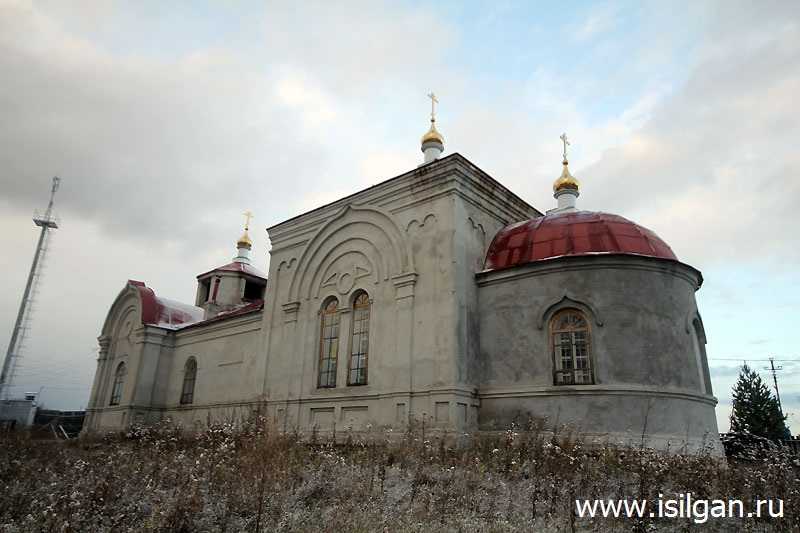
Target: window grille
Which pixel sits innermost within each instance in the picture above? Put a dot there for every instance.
(189, 378)
(359, 346)
(569, 332)
(328, 344)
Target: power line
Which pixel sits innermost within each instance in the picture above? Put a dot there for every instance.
(740, 359)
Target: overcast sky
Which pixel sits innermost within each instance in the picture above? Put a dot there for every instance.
(167, 120)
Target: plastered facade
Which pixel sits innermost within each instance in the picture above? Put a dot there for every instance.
(460, 348)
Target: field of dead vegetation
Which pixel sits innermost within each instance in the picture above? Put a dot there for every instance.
(251, 477)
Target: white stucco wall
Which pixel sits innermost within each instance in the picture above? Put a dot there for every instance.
(448, 344)
(413, 244)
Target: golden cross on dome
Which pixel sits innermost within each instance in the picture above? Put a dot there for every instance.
(566, 143)
(247, 216)
(434, 101)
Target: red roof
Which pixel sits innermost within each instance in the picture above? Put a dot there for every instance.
(237, 267)
(572, 233)
(163, 312)
(242, 309)
(169, 314)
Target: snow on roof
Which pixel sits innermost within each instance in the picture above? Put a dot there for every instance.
(241, 309)
(173, 315)
(163, 312)
(237, 267)
(177, 314)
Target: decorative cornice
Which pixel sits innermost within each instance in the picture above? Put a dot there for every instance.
(489, 393)
(361, 394)
(404, 285)
(226, 328)
(592, 262)
(291, 307)
(404, 280)
(290, 311)
(454, 170)
(148, 334)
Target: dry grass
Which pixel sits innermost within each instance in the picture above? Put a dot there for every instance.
(254, 478)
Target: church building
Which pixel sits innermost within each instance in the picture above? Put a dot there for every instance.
(437, 296)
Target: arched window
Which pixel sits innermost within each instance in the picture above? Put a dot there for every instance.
(359, 345)
(328, 343)
(699, 342)
(189, 377)
(569, 333)
(119, 383)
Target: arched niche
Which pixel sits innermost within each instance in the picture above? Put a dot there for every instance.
(370, 237)
(566, 302)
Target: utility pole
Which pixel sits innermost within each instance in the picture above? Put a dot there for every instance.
(47, 222)
(774, 370)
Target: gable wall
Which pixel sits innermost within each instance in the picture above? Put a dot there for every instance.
(118, 344)
(411, 244)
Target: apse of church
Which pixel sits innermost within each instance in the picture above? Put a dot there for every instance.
(436, 295)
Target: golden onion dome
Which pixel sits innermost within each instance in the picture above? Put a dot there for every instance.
(433, 135)
(566, 180)
(244, 241)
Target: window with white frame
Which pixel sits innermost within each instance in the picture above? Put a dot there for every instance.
(571, 342)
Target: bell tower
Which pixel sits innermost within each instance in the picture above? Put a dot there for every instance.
(235, 285)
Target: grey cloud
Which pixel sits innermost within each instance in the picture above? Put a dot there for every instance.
(158, 157)
(145, 149)
(164, 150)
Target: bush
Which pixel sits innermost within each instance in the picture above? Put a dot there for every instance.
(748, 447)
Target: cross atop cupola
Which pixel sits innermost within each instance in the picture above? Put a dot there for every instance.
(432, 141)
(566, 187)
(434, 101)
(237, 283)
(244, 244)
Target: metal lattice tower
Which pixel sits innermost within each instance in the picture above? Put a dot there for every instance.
(47, 222)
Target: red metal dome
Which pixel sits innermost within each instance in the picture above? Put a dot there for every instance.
(573, 233)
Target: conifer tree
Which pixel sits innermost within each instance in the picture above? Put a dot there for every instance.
(755, 408)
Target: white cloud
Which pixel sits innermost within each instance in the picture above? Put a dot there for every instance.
(358, 47)
(315, 107)
(600, 20)
(714, 169)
